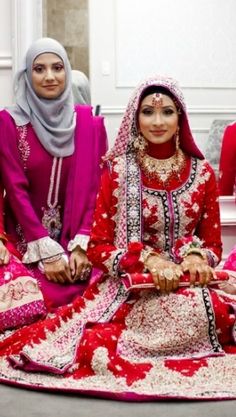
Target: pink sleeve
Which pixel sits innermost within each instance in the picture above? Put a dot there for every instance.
(15, 181)
(100, 148)
(2, 231)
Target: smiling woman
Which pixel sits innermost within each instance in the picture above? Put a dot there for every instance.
(48, 76)
(158, 117)
(50, 155)
(155, 325)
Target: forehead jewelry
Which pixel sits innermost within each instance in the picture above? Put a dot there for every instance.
(157, 100)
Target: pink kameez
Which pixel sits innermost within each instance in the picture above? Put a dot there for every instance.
(26, 169)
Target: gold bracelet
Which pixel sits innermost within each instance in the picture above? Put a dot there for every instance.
(198, 252)
(52, 259)
(145, 255)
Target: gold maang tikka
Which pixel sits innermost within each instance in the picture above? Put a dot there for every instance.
(157, 100)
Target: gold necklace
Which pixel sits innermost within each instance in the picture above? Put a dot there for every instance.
(162, 169)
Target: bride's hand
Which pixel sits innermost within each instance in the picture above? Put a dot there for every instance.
(165, 274)
(199, 271)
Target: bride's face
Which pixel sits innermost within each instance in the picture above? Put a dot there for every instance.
(158, 118)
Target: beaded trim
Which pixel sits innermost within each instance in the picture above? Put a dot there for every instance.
(23, 144)
(211, 318)
(133, 199)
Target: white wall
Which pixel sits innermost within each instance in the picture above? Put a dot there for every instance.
(5, 53)
(193, 41)
(20, 24)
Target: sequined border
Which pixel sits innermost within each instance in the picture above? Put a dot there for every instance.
(133, 199)
(23, 144)
(211, 320)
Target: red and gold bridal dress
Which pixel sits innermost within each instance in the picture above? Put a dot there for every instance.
(137, 345)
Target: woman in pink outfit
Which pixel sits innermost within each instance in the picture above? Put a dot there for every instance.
(50, 156)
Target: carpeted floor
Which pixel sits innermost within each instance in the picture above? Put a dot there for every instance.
(16, 402)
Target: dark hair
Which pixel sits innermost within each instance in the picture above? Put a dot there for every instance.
(152, 89)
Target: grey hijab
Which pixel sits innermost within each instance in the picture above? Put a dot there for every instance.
(80, 88)
(52, 119)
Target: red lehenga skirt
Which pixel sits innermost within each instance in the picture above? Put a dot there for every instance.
(129, 345)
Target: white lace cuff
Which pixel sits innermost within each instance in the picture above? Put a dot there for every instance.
(79, 240)
(40, 249)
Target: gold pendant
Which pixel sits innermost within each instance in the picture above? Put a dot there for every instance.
(52, 222)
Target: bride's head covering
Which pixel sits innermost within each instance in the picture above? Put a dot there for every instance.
(128, 130)
(52, 119)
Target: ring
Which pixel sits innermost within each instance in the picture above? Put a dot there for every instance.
(168, 274)
(153, 270)
(84, 273)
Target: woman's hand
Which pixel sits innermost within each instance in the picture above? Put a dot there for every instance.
(58, 271)
(4, 254)
(165, 274)
(199, 271)
(228, 287)
(80, 267)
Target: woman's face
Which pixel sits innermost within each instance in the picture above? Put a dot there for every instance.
(48, 76)
(157, 118)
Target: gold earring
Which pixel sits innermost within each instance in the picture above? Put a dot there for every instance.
(177, 140)
(140, 143)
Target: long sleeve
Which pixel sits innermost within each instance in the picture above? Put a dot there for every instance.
(16, 183)
(101, 249)
(228, 161)
(17, 188)
(209, 228)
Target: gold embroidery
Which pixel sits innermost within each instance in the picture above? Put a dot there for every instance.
(162, 169)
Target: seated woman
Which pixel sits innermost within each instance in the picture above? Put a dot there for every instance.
(227, 166)
(152, 326)
(50, 154)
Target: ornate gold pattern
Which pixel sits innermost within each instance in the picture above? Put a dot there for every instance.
(162, 169)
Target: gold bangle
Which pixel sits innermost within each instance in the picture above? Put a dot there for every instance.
(196, 251)
(145, 253)
(52, 259)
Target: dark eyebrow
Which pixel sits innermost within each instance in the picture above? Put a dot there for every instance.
(42, 64)
(58, 62)
(167, 106)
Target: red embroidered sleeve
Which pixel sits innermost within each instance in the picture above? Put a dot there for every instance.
(209, 228)
(228, 161)
(101, 249)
